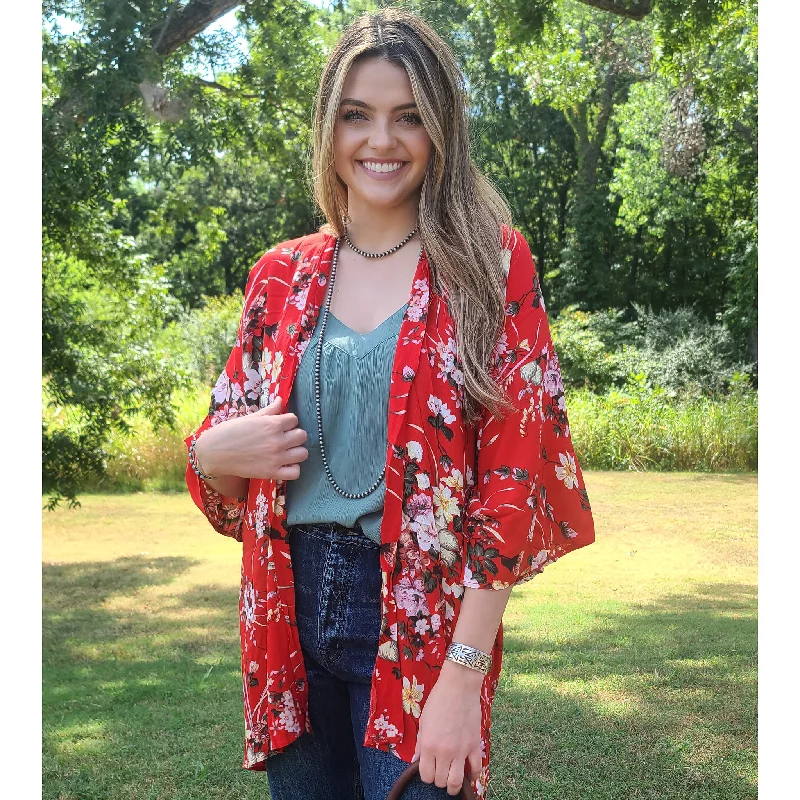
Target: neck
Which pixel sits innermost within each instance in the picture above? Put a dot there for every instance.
(378, 229)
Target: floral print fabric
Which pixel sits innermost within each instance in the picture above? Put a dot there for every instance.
(485, 507)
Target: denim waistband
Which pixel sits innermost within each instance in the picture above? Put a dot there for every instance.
(332, 530)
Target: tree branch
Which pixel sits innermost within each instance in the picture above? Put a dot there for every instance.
(193, 18)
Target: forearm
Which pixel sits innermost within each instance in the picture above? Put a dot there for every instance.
(477, 624)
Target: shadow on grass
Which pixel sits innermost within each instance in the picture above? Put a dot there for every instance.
(651, 701)
(144, 701)
(662, 703)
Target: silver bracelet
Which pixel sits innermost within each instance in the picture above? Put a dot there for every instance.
(195, 466)
(470, 657)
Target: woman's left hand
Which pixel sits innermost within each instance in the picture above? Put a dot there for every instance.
(450, 729)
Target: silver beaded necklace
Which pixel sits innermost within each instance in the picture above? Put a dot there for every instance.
(318, 360)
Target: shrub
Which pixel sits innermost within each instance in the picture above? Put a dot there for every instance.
(201, 339)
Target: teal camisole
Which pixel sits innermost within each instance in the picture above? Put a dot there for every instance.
(355, 378)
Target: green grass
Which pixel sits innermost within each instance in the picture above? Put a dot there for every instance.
(629, 670)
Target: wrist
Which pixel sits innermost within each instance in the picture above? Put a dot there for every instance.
(461, 675)
(204, 453)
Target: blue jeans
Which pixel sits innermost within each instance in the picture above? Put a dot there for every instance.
(337, 599)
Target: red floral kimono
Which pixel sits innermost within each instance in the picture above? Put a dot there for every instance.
(485, 508)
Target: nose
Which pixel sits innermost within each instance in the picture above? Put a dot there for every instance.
(381, 136)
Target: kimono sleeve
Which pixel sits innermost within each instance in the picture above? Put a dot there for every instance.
(529, 504)
(236, 392)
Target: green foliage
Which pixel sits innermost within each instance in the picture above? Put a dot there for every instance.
(201, 339)
(587, 345)
(643, 428)
(99, 361)
(683, 353)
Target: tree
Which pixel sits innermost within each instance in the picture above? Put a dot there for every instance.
(141, 90)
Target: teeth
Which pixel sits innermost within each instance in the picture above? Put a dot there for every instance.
(374, 167)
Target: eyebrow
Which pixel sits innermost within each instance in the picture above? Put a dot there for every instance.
(350, 101)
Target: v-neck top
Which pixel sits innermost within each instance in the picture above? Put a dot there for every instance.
(355, 376)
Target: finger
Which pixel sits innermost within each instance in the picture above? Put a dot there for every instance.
(475, 764)
(294, 455)
(442, 772)
(288, 472)
(288, 421)
(455, 779)
(427, 767)
(294, 438)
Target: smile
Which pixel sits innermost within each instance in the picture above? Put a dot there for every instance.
(389, 171)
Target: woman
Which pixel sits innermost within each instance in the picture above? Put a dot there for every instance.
(381, 481)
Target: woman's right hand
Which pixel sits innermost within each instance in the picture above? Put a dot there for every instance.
(266, 444)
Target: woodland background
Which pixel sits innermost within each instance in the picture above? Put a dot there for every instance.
(623, 133)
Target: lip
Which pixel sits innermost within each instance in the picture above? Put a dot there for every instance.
(384, 176)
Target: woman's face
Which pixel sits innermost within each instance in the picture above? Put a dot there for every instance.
(381, 148)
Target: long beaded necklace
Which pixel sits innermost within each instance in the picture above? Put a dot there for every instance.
(318, 358)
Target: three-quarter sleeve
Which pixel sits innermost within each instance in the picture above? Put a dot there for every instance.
(236, 392)
(529, 504)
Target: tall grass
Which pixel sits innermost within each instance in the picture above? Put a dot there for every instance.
(651, 431)
(639, 430)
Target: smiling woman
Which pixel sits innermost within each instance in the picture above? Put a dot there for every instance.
(419, 388)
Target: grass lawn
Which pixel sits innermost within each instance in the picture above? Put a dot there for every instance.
(629, 670)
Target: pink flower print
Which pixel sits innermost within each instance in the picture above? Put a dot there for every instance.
(411, 596)
(223, 414)
(552, 378)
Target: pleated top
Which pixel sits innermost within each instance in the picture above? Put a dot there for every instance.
(355, 377)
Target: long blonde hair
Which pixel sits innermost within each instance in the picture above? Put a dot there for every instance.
(460, 212)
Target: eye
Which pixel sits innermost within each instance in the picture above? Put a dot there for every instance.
(350, 115)
(413, 119)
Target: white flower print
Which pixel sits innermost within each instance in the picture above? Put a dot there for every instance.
(470, 476)
(248, 603)
(423, 480)
(408, 374)
(222, 389)
(540, 559)
(412, 695)
(287, 719)
(383, 724)
(446, 505)
(438, 407)
(501, 347)
(455, 480)
(252, 386)
(260, 515)
(436, 622)
(567, 472)
(414, 450)
(506, 260)
(265, 367)
(276, 366)
(421, 626)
